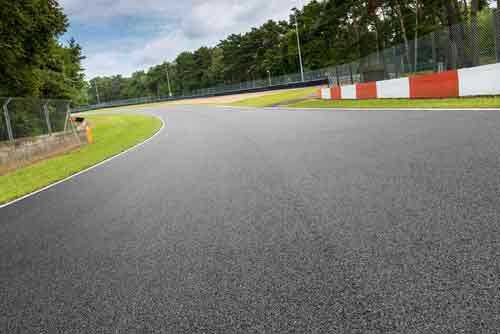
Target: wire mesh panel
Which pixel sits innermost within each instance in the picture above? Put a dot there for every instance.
(496, 23)
(4, 135)
(58, 112)
(486, 41)
(31, 117)
(27, 117)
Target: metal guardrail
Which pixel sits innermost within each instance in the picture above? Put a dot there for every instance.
(146, 100)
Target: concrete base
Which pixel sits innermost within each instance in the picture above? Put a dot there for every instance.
(25, 151)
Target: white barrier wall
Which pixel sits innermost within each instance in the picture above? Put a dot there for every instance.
(474, 81)
(348, 92)
(481, 80)
(394, 89)
(326, 94)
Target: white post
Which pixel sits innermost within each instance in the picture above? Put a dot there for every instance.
(168, 82)
(47, 118)
(298, 46)
(7, 119)
(68, 115)
(97, 92)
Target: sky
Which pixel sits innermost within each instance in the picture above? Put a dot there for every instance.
(123, 36)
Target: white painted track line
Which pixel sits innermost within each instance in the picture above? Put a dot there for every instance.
(87, 169)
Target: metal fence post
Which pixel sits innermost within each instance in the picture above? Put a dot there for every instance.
(350, 72)
(72, 125)
(68, 115)
(496, 22)
(7, 119)
(47, 119)
(434, 53)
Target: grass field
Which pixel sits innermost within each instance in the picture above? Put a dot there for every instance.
(112, 134)
(250, 99)
(277, 98)
(476, 102)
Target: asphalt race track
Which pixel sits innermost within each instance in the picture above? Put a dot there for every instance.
(268, 221)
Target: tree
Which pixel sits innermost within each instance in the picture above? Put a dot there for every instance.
(333, 32)
(28, 31)
(61, 76)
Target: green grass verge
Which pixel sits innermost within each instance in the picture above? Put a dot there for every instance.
(112, 134)
(474, 102)
(276, 99)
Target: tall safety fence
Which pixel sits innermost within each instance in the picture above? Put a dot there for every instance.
(30, 117)
(472, 43)
(468, 44)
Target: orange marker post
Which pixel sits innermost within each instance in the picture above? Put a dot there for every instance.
(90, 137)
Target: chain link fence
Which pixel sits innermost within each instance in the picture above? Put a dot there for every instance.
(496, 19)
(464, 45)
(472, 43)
(30, 117)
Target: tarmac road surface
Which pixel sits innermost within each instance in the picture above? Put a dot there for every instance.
(268, 221)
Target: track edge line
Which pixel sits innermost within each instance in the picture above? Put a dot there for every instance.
(87, 169)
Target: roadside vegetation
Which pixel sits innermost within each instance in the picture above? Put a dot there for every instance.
(279, 98)
(113, 134)
(331, 33)
(475, 102)
(33, 61)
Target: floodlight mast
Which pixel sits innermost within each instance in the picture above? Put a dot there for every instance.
(97, 92)
(298, 46)
(168, 81)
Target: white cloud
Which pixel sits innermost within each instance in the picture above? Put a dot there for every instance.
(83, 11)
(170, 27)
(230, 16)
(108, 63)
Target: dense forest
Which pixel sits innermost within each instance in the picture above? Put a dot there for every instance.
(331, 32)
(32, 61)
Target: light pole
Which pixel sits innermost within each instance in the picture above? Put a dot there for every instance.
(269, 77)
(97, 92)
(416, 36)
(168, 81)
(298, 46)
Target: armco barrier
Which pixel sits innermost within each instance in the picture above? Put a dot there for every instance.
(146, 100)
(476, 81)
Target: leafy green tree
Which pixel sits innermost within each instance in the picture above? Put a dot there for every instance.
(28, 30)
(32, 61)
(332, 32)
